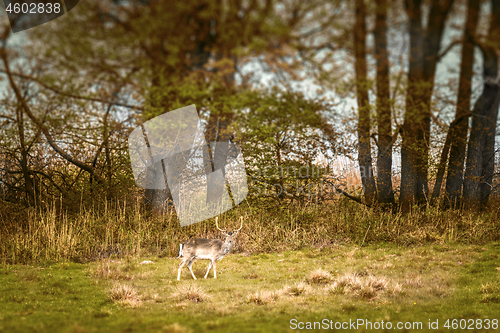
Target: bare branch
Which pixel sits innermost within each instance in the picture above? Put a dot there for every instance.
(63, 93)
(448, 48)
(40, 124)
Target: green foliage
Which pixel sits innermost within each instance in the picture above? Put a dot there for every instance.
(282, 134)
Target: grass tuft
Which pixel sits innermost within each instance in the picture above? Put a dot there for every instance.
(336, 288)
(190, 292)
(396, 289)
(490, 288)
(319, 276)
(367, 292)
(358, 286)
(105, 270)
(262, 297)
(297, 289)
(125, 295)
(378, 284)
(349, 280)
(491, 293)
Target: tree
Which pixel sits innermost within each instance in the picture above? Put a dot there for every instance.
(158, 56)
(41, 114)
(481, 146)
(364, 123)
(459, 131)
(456, 139)
(383, 105)
(423, 58)
(281, 134)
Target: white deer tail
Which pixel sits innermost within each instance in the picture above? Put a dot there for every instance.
(180, 251)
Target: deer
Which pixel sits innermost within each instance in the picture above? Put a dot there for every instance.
(207, 249)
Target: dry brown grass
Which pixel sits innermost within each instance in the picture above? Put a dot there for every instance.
(491, 292)
(396, 289)
(358, 286)
(415, 282)
(48, 235)
(490, 288)
(190, 292)
(378, 284)
(319, 276)
(125, 295)
(344, 283)
(297, 289)
(105, 270)
(263, 297)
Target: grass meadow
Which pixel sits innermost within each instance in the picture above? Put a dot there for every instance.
(113, 269)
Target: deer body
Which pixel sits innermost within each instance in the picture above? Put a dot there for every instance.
(206, 249)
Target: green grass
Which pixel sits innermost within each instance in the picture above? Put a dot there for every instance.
(59, 297)
(256, 292)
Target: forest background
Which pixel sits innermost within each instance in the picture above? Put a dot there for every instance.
(391, 107)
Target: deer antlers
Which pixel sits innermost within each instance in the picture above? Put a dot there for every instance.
(224, 231)
(217, 225)
(241, 218)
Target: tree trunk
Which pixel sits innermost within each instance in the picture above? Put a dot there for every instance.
(424, 48)
(384, 121)
(364, 152)
(218, 124)
(157, 199)
(492, 114)
(444, 155)
(442, 165)
(28, 183)
(409, 133)
(481, 147)
(220, 117)
(458, 133)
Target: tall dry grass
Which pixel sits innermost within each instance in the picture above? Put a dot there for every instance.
(116, 229)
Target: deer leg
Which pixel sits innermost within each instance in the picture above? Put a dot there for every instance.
(215, 269)
(189, 266)
(209, 266)
(179, 271)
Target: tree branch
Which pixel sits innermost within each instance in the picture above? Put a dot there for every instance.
(358, 200)
(399, 130)
(448, 48)
(62, 93)
(41, 126)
